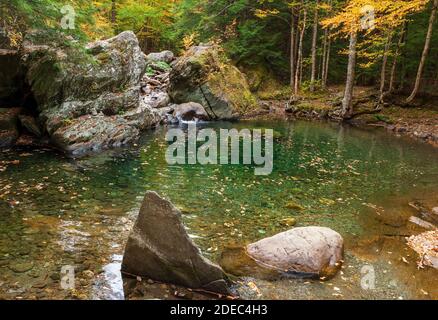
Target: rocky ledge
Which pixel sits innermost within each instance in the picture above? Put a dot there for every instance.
(102, 96)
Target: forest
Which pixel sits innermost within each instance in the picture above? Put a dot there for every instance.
(218, 149)
(301, 43)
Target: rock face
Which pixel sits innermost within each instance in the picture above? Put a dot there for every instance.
(154, 85)
(159, 248)
(11, 80)
(157, 99)
(204, 75)
(308, 252)
(30, 124)
(190, 111)
(89, 102)
(9, 132)
(164, 56)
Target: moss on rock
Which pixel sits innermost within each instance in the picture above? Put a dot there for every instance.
(205, 75)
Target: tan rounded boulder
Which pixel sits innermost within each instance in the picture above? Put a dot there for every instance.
(306, 252)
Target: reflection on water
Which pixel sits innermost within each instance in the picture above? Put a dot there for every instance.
(56, 212)
(110, 284)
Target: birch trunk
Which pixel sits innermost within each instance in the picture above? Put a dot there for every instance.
(314, 45)
(292, 50)
(347, 102)
(383, 71)
(425, 52)
(396, 56)
(298, 71)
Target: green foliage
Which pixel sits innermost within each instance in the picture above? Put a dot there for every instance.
(251, 32)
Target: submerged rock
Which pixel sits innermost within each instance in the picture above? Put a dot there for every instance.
(159, 248)
(9, 132)
(190, 111)
(421, 223)
(308, 252)
(204, 75)
(21, 267)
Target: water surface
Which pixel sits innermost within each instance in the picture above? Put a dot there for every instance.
(56, 211)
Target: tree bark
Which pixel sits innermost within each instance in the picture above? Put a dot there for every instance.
(327, 62)
(298, 71)
(425, 52)
(314, 45)
(383, 71)
(113, 12)
(396, 55)
(292, 50)
(324, 53)
(347, 102)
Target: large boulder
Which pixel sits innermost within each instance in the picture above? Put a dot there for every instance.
(94, 133)
(9, 132)
(204, 75)
(91, 90)
(159, 248)
(190, 111)
(308, 252)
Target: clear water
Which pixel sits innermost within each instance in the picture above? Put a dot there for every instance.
(56, 211)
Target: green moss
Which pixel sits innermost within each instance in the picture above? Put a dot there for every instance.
(103, 57)
(231, 84)
(383, 118)
(273, 89)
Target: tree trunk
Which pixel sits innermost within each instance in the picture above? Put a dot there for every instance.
(324, 53)
(292, 50)
(425, 52)
(383, 71)
(347, 102)
(327, 62)
(113, 14)
(327, 56)
(314, 44)
(396, 55)
(298, 71)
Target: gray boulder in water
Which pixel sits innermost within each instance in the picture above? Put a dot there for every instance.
(159, 248)
(190, 111)
(308, 252)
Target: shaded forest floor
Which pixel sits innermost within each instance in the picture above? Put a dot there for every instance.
(419, 121)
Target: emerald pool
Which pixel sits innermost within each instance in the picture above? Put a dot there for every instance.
(56, 211)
